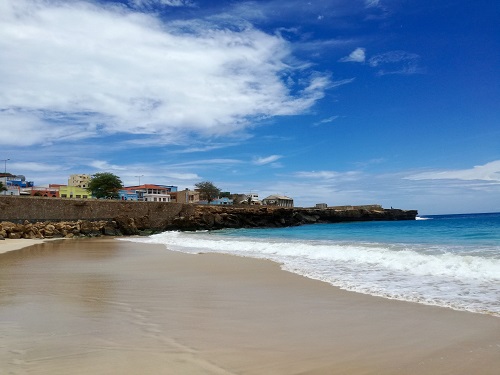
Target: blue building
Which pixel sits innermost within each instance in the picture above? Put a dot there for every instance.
(128, 195)
(219, 202)
(19, 181)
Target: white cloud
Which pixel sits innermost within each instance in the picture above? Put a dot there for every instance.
(182, 176)
(26, 128)
(171, 3)
(208, 162)
(326, 120)
(267, 159)
(206, 148)
(329, 175)
(33, 167)
(86, 70)
(342, 82)
(391, 57)
(318, 174)
(372, 3)
(105, 166)
(487, 172)
(397, 62)
(358, 55)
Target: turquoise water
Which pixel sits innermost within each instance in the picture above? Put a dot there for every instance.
(473, 229)
(445, 260)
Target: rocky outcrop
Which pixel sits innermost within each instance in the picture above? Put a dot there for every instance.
(209, 218)
(63, 229)
(198, 217)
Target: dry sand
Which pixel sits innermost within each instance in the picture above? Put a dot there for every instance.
(104, 306)
(11, 245)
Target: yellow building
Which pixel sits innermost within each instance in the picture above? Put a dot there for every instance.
(74, 192)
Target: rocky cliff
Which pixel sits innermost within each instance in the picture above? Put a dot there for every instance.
(209, 218)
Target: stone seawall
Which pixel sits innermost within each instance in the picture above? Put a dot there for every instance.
(27, 217)
(19, 209)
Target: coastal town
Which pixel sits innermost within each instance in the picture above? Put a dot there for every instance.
(98, 204)
(77, 187)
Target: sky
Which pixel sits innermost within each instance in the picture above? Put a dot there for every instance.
(344, 102)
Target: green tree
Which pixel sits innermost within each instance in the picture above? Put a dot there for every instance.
(208, 191)
(225, 194)
(2, 187)
(105, 185)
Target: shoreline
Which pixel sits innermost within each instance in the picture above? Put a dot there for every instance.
(221, 314)
(8, 245)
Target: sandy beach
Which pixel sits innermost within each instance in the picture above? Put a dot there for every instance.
(106, 306)
(11, 245)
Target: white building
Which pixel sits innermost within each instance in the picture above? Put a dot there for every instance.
(278, 200)
(253, 199)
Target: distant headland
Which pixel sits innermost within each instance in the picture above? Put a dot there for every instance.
(33, 217)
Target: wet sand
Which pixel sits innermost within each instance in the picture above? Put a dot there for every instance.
(104, 306)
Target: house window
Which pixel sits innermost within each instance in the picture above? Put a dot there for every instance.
(78, 196)
(63, 196)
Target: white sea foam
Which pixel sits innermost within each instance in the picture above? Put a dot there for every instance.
(406, 272)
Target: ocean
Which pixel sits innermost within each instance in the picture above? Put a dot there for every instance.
(443, 260)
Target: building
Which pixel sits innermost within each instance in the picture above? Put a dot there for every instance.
(250, 198)
(253, 199)
(224, 201)
(147, 193)
(321, 205)
(42, 191)
(185, 196)
(128, 195)
(19, 181)
(170, 188)
(79, 180)
(278, 200)
(74, 192)
(14, 184)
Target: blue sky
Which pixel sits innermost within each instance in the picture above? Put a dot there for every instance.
(335, 101)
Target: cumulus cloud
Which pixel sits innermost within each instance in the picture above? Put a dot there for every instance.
(358, 55)
(86, 69)
(267, 159)
(487, 172)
